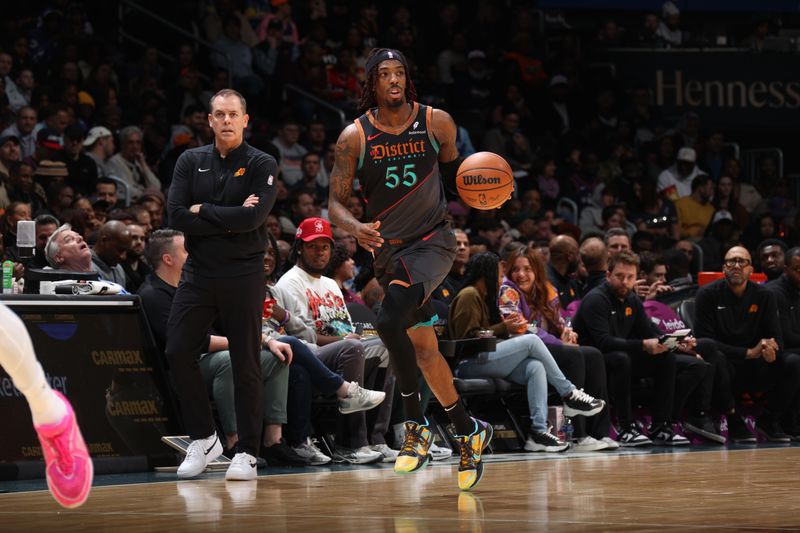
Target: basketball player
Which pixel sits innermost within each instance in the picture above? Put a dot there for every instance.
(400, 150)
(68, 467)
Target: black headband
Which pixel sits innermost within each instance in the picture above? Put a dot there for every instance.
(384, 55)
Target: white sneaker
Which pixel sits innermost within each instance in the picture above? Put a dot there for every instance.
(199, 453)
(389, 455)
(589, 444)
(360, 399)
(439, 453)
(243, 468)
(360, 456)
(611, 443)
(309, 451)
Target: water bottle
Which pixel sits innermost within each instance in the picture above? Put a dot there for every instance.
(8, 277)
(567, 430)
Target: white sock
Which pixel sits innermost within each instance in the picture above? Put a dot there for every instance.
(19, 361)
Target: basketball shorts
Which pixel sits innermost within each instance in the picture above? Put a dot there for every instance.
(426, 260)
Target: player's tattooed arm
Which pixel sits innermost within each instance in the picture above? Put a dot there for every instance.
(343, 173)
(444, 129)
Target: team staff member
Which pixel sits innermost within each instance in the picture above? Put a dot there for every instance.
(220, 197)
(398, 147)
(787, 291)
(742, 317)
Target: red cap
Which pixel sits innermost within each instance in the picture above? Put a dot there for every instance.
(314, 228)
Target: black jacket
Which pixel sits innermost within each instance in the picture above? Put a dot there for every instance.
(224, 239)
(788, 302)
(610, 324)
(736, 324)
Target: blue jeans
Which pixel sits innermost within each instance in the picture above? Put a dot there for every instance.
(524, 360)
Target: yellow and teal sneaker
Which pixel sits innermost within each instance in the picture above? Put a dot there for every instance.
(470, 468)
(414, 452)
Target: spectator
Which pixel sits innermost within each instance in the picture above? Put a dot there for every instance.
(312, 179)
(562, 268)
(786, 289)
(509, 142)
(66, 250)
(612, 319)
(46, 225)
(231, 53)
(23, 129)
(676, 181)
(9, 153)
(695, 211)
(134, 265)
(720, 237)
(591, 217)
(523, 359)
(111, 249)
(454, 280)
(742, 317)
(726, 198)
(130, 164)
(669, 30)
(594, 257)
(99, 144)
(770, 257)
(616, 241)
(652, 277)
(318, 302)
(341, 271)
(15, 211)
(105, 189)
(81, 169)
(526, 288)
(291, 152)
(713, 159)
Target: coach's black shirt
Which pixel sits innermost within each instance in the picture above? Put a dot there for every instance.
(788, 302)
(225, 239)
(736, 324)
(610, 324)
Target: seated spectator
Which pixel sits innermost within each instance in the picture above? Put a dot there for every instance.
(726, 198)
(81, 169)
(591, 218)
(594, 257)
(312, 178)
(612, 319)
(563, 267)
(110, 250)
(99, 145)
(676, 181)
(66, 250)
(526, 287)
(770, 258)
(522, 359)
(786, 289)
(46, 225)
(742, 317)
(509, 142)
(341, 271)
(616, 240)
(686, 247)
(765, 226)
(695, 211)
(167, 253)
(669, 31)
(15, 212)
(453, 282)
(134, 265)
(154, 202)
(720, 236)
(652, 276)
(324, 320)
(24, 188)
(130, 164)
(106, 190)
(291, 152)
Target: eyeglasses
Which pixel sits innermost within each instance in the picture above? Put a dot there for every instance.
(740, 261)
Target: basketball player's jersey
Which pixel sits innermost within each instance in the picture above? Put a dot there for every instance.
(399, 174)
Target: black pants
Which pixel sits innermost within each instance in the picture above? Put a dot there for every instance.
(621, 367)
(584, 367)
(780, 380)
(714, 391)
(237, 304)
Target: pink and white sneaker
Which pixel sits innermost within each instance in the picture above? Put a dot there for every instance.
(68, 467)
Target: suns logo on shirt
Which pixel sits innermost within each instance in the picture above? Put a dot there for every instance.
(239, 172)
(628, 311)
(753, 309)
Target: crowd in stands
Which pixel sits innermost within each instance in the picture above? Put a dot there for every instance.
(615, 205)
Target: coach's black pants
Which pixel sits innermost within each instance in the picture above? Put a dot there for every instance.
(621, 367)
(237, 304)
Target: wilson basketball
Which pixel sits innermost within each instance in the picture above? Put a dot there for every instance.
(484, 181)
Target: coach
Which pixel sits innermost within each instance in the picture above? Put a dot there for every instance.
(220, 197)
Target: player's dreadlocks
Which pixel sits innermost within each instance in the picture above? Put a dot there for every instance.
(368, 99)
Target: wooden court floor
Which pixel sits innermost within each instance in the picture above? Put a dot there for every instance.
(725, 490)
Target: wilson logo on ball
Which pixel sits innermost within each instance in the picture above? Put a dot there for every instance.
(480, 180)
